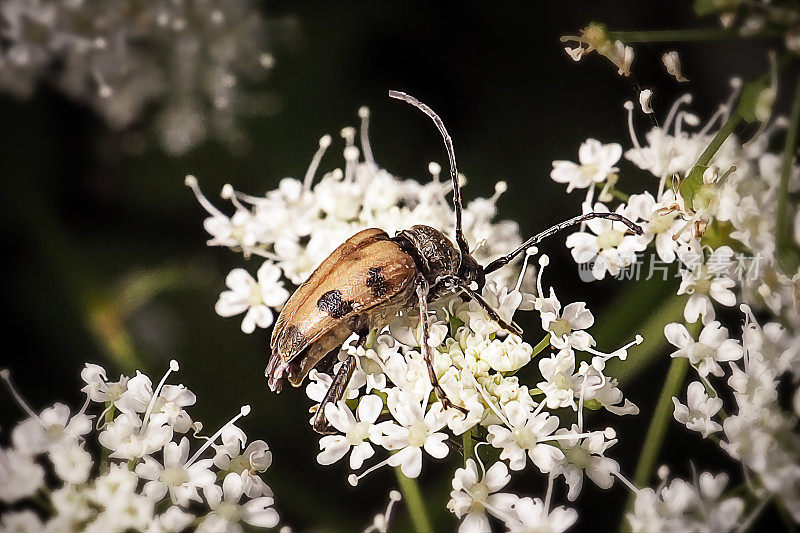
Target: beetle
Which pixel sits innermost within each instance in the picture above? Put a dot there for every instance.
(371, 276)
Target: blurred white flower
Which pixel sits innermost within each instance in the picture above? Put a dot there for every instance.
(698, 414)
(680, 506)
(712, 347)
(532, 515)
(188, 58)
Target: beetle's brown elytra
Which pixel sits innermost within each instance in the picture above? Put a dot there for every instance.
(371, 276)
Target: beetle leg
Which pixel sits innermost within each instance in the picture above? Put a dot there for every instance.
(334, 394)
(454, 283)
(422, 294)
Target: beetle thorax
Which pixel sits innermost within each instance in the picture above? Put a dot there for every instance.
(433, 252)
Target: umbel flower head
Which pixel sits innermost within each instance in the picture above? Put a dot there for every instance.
(155, 472)
(722, 239)
(389, 414)
(189, 57)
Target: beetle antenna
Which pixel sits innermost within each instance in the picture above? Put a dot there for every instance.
(503, 261)
(448, 143)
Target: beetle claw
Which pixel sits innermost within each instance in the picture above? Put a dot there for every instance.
(447, 403)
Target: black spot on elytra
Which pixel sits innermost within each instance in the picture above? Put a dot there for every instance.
(331, 302)
(377, 282)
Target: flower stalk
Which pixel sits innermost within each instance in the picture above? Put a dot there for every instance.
(412, 495)
(745, 110)
(689, 35)
(788, 255)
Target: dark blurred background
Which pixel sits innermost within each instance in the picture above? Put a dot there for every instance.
(105, 252)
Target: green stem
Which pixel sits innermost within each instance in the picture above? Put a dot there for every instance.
(544, 343)
(658, 429)
(788, 256)
(745, 110)
(695, 178)
(414, 502)
(671, 310)
(43, 502)
(619, 195)
(661, 417)
(469, 445)
(688, 34)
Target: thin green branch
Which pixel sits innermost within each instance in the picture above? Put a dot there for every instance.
(648, 457)
(469, 445)
(745, 110)
(544, 343)
(689, 34)
(788, 256)
(652, 330)
(414, 502)
(661, 418)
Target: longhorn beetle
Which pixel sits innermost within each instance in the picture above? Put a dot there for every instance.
(371, 276)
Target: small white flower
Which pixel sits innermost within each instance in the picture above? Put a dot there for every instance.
(706, 282)
(672, 62)
(558, 370)
(176, 476)
(698, 414)
(255, 458)
(712, 347)
(597, 162)
(566, 327)
(609, 246)
(173, 520)
(474, 494)
(254, 297)
(414, 431)
(527, 432)
(52, 427)
(227, 511)
(356, 433)
(71, 462)
(98, 388)
(585, 455)
(21, 476)
(533, 517)
(126, 441)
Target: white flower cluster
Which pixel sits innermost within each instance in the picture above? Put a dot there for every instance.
(736, 209)
(190, 57)
(677, 506)
(389, 404)
(595, 38)
(295, 227)
(748, 19)
(146, 477)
